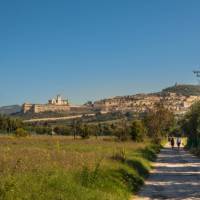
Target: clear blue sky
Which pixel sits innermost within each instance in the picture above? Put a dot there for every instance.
(91, 49)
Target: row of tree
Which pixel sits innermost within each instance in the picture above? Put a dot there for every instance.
(156, 123)
(9, 125)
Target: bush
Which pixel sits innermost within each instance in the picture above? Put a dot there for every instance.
(89, 177)
(120, 155)
(43, 130)
(137, 131)
(62, 130)
(85, 131)
(20, 132)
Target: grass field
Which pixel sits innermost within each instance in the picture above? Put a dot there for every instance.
(59, 168)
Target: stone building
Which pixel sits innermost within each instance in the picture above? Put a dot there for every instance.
(56, 104)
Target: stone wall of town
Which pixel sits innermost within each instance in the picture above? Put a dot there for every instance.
(37, 108)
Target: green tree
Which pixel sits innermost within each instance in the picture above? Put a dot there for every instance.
(76, 127)
(85, 131)
(99, 130)
(159, 121)
(190, 125)
(20, 132)
(137, 131)
(122, 130)
(8, 124)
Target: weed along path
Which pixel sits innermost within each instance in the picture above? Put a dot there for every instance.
(176, 176)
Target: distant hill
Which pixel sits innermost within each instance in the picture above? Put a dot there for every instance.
(8, 110)
(186, 90)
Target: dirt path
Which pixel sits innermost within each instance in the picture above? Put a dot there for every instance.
(176, 176)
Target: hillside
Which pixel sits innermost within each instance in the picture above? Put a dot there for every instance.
(8, 110)
(186, 90)
(182, 89)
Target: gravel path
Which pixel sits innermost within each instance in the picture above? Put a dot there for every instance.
(176, 176)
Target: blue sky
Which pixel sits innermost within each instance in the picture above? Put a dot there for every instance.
(91, 49)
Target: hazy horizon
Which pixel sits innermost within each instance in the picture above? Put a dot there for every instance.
(95, 49)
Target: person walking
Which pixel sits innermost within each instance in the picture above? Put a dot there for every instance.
(172, 142)
(178, 142)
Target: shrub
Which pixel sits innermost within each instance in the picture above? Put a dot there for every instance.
(85, 132)
(20, 132)
(120, 155)
(43, 130)
(89, 177)
(62, 130)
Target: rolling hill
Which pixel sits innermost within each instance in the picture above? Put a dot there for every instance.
(8, 110)
(186, 90)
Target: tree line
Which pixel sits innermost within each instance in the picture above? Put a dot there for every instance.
(9, 125)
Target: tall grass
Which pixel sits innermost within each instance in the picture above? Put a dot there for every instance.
(60, 168)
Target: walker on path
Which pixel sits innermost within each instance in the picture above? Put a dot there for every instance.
(178, 142)
(172, 142)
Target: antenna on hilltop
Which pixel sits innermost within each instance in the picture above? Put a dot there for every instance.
(197, 74)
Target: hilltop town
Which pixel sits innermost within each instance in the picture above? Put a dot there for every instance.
(177, 103)
(178, 99)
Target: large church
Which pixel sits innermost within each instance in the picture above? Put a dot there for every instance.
(54, 105)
